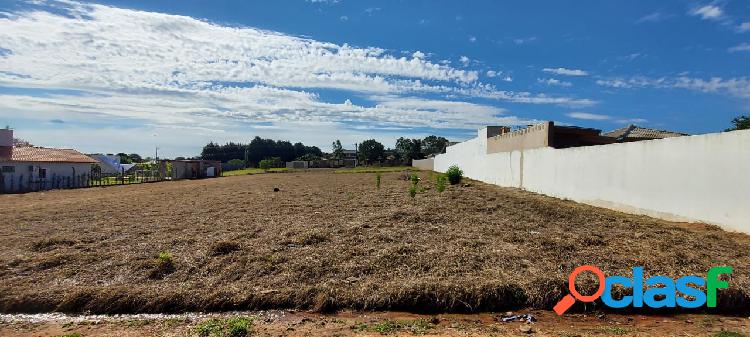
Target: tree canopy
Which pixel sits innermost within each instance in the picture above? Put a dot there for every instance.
(370, 151)
(258, 149)
(740, 123)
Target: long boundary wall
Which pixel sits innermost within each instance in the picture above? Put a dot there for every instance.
(694, 178)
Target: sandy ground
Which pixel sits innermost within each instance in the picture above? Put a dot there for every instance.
(329, 241)
(292, 323)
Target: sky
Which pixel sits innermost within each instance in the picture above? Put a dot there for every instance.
(129, 76)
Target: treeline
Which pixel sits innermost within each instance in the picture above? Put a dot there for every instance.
(259, 149)
(369, 151)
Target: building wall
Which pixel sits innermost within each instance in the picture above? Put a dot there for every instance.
(696, 178)
(22, 173)
(424, 164)
(529, 138)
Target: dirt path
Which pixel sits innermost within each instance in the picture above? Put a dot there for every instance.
(285, 323)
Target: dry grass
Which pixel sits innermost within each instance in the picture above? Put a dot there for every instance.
(328, 241)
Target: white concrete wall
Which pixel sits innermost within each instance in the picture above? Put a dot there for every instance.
(696, 178)
(53, 169)
(424, 164)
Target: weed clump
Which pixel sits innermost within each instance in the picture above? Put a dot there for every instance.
(377, 180)
(440, 183)
(454, 174)
(233, 327)
(164, 265)
(413, 191)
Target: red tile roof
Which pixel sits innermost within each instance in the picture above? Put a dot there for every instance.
(637, 132)
(43, 154)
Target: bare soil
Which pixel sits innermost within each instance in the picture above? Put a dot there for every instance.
(329, 241)
(347, 323)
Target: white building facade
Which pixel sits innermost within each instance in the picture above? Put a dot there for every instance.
(25, 169)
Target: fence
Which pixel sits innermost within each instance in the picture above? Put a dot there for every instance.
(694, 178)
(22, 183)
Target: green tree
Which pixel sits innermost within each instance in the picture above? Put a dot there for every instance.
(338, 150)
(135, 158)
(124, 158)
(740, 123)
(409, 149)
(308, 157)
(370, 151)
(433, 145)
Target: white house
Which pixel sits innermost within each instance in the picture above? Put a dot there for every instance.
(38, 168)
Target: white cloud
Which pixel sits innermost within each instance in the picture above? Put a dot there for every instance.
(744, 27)
(740, 47)
(177, 72)
(736, 87)
(523, 40)
(344, 18)
(653, 17)
(554, 82)
(587, 116)
(708, 12)
(464, 60)
(492, 73)
(566, 72)
(508, 79)
(472, 39)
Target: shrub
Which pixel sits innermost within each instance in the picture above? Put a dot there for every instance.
(440, 183)
(454, 174)
(377, 180)
(267, 163)
(413, 191)
(414, 179)
(232, 327)
(164, 266)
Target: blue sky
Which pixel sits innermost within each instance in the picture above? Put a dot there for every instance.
(114, 76)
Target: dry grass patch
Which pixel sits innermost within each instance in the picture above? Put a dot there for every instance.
(329, 241)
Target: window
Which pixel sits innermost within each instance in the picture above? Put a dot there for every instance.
(9, 169)
(42, 173)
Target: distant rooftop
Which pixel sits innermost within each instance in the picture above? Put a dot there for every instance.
(48, 155)
(634, 132)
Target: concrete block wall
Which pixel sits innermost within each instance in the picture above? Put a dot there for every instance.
(695, 178)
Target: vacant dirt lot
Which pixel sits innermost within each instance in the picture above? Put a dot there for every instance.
(328, 241)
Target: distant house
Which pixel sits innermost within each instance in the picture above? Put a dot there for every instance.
(195, 169)
(633, 133)
(109, 164)
(350, 158)
(38, 168)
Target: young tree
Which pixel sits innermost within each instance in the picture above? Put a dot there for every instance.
(370, 151)
(740, 123)
(338, 150)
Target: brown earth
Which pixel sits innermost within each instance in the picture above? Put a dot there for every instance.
(330, 241)
(293, 324)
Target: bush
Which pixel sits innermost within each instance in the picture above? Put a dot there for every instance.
(414, 179)
(454, 174)
(440, 183)
(164, 265)
(413, 191)
(232, 327)
(267, 164)
(238, 163)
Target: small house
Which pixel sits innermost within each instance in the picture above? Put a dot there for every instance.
(195, 169)
(31, 168)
